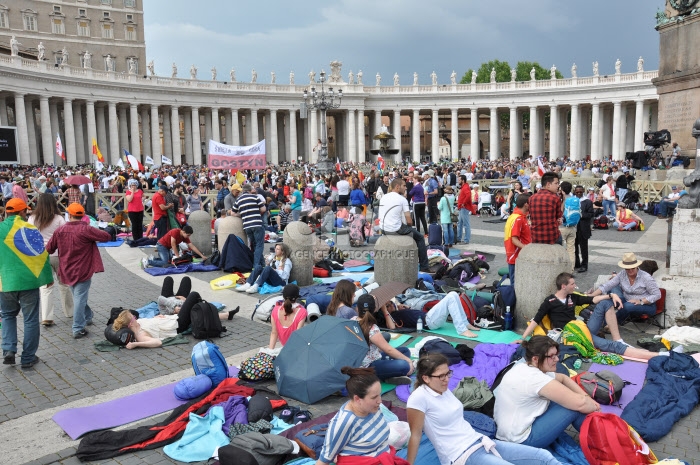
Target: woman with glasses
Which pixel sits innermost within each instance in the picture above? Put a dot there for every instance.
(432, 407)
(533, 403)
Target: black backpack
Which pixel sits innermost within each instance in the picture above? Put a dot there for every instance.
(441, 346)
(205, 321)
(601, 222)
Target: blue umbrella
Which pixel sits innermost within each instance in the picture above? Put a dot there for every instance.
(308, 367)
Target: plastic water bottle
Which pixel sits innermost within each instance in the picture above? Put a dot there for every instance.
(419, 325)
(508, 319)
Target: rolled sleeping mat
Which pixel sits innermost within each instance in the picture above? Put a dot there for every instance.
(312, 313)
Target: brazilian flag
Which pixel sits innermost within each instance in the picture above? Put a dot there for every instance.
(24, 262)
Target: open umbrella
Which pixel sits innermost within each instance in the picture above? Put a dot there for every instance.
(77, 180)
(308, 367)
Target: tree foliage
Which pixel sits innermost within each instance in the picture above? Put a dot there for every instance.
(522, 69)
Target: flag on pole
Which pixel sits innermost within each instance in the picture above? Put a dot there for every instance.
(410, 167)
(165, 160)
(338, 168)
(120, 163)
(540, 167)
(99, 166)
(59, 148)
(135, 164)
(96, 151)
(149, 160)
(380, 162)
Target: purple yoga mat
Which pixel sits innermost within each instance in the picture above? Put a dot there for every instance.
(634, 372)
(79, 421)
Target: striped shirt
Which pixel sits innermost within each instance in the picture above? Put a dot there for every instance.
(248, 206)
(644, 286)
(349, 434)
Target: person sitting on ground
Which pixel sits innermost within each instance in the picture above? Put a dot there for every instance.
(392, 365)
(276, 272)
(560, 309)
(669, 203)
(434, 408)
(287, 316)
(635, 289)
(359, 429)
(169, 247)
(626, 219)
(341, 300)
(284, 217)
(534, 404)
(357, 222)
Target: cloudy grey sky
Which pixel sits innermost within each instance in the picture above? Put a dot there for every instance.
(388, 36)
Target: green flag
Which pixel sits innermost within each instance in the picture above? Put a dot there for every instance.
(24, 262)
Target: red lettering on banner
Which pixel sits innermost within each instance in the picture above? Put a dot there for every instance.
(241, 162)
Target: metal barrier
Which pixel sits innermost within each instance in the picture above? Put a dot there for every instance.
(115, 202)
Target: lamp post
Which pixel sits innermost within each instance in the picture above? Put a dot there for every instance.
(323, 101)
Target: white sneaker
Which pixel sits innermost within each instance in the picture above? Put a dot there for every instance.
(252, 289)
(144, 262)
(243, 287)
(623, 342)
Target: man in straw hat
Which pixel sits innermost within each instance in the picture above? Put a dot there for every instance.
(638, 292)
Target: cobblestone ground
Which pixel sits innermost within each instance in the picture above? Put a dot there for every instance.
(73, 369)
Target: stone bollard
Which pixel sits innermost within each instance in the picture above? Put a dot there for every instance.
(536, 270)
(230, 225)
(300, 239)
(587, 174)
(201, 237)
(396, 260)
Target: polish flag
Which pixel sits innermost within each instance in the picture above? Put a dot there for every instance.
(540, 167)
(59, 148)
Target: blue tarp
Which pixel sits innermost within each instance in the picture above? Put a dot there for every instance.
(189, 268)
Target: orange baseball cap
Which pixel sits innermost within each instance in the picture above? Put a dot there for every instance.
(15, 205)
(75, 209)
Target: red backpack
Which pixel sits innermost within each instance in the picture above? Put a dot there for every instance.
(606, 439)
(469, 308)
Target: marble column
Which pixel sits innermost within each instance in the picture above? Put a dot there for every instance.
(123, 129)
(293, 144)
(574, 148)
(177, 146)
(21, 121)
(377, 128)
(69, 146)
(605, 132)
(208, 134)
(187, 126)
(494, 136)
(146, 132)
(254, 131)
(79, 133)
(534, 133)
(554, 132)
(415, 136)
(454, 133)
(31, 131)
(654, 124)
(628, 146)
(361, 154)
(3, 111)
(646, 123)
(228, 122)
(47, 147)
(167, 134)
(215, 125)
(595, 132)
(396, 129)
(541, 133)
(616, 129)
(113, 133)
(235, 133)
(101, 123)
(91, 129)
(197, 138)
(55, 126)
(435, 137)
(156, 150)
(623, 132)
(312, 121)
(639, 125)
(274, 143)
(514, 136)
(585, 134)
(474, 134)
(134, 131)
(352, 136)
(282, 136)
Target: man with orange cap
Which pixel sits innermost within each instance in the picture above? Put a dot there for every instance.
(76, 242)
(24, 268)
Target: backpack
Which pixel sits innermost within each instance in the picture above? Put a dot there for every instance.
(572, 211)
(205, 321)
(183, 259)
(263, 309)
(308, 193)
(208, 360)
(605, 387)
(259, 367)
(441, 346)
(468, 307)
(607, 440)
(112, 231)
(600, 222)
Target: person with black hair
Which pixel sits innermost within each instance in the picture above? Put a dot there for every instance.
(568, 230)
(534, 404)
(168, 247)
(434, 408)
(359, 429)
(546, 211)
(287, 316)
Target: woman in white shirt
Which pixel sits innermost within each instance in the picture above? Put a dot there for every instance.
(534, 405)
(432, 407)
(47, 218)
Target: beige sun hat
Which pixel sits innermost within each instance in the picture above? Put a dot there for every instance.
(629, 261)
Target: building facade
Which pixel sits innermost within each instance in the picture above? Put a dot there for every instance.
(110, 31)
(596, 116)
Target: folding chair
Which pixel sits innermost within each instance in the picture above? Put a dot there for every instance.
(643, 322)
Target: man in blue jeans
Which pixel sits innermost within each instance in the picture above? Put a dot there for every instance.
(169, 246)
(464, 210)
(250, 208)
(24, 268)
(76, 242)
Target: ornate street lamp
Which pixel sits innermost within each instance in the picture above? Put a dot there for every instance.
(323, 101)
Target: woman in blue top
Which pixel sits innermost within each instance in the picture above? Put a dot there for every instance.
(357, 195)
(417, 196)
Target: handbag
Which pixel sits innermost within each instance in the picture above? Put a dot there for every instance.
(181, 218)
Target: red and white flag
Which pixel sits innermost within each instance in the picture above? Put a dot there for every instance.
(540, 167)
(380, 162)
(338, 168)
(59, 148)
(410, 167)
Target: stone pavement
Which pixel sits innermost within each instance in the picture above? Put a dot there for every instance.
(74, 374)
